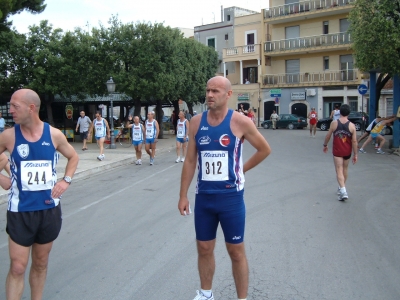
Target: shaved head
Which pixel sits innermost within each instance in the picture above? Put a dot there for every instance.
(28, 96)
(222, 81)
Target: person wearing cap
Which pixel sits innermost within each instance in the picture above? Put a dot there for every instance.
(313, 116)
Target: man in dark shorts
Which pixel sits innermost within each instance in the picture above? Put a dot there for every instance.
(344, 141)
(34, 210)
(83, 123)
(216, 138)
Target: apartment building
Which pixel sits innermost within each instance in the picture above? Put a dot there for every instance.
(238, 40)
(307, 59)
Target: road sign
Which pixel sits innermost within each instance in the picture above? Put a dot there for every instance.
(362, 89)
(275, 93)
(276, 100)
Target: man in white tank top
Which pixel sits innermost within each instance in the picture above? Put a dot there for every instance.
(335, 114)
(138, 134)
(182, 137)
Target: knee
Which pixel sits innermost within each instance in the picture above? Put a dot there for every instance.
(237, 254)
(204, 249)
(17, 268)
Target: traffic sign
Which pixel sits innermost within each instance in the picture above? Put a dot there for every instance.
(275, 93)
(362, 89)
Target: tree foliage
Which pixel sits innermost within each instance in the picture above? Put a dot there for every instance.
(375, 31)
(12, 7)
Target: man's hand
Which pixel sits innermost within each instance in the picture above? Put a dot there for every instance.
(354, 159)
(184, 206)
(59, 188)
(5, 182)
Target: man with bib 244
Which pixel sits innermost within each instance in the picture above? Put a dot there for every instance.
(217, 137)
(34, 209)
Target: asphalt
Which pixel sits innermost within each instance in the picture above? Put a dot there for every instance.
(89, 164)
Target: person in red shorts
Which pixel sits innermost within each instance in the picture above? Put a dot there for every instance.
(313, 116)
(344, 141)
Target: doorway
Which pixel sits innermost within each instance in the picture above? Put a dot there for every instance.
(269, 107)
(299, 109)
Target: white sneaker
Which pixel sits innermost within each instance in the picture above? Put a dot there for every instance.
(343, 196)
(200, 296)
(139, 161)
(379, 151)
(99, 157)
(178, 159)
(182, 159)
(338, 191)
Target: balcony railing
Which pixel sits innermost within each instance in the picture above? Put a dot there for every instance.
(331, 39)
(241, 50)
(304, 6)
(326, 77)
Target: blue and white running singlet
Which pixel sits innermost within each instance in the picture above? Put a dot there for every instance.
(181, 129)
(33, 173)
(100, 128)
(151, 129)
(137, 133)
(219, 158)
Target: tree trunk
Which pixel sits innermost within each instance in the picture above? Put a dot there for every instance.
(49, 101)
(380, 84)
(190, 107)
(138, 107)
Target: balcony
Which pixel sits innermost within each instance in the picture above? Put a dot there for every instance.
(247, 52)
(306, 9)
(317, 43)
(339, 77)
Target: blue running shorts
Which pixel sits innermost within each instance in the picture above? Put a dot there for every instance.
(228, 209)
(181, 140)
(137, 143)
(150, 141)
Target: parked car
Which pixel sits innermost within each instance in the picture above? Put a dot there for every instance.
(287, 121)
(358, 118)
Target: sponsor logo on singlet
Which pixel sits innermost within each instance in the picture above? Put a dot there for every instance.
(208, 154)
(224, 140)
(45, 144)
(204, 140)
(23, 150)
(36, 165)
(204, 128)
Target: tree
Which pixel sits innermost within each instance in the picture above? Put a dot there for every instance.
(375, 31)
(12, 7)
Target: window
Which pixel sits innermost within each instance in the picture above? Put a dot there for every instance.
(326, 62)
(228, 17)
(292, 70)
(353, 103)
(325, 27)
(211, 42)
(226, 37)
(226, 72)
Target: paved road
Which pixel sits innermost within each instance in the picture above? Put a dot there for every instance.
(123, 237)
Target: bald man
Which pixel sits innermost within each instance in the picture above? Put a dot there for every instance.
(216, 138)
(34, 210)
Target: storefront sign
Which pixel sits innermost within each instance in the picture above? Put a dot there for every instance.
(243, 96)
(69, 111)
(298, 96)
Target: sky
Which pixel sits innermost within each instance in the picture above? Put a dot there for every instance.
(68, 14)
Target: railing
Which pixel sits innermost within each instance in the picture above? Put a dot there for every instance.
(244, 49)
(331, 39)
(304, 6)
(308, 78)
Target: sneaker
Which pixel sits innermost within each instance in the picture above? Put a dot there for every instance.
(361, 150)
(379, 151)
(136, 162)
(151, 161)
(343, 196)
(102, 157)
(99, 157)
(338, 191)
(178, 159)
(376, 146)
(139, 161)
(182, 159)
(200, 296)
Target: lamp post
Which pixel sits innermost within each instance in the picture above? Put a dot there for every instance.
(111, 89)
(258, 117)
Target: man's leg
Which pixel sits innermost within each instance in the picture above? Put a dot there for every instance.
(19, 257)
(315, 129)
(240, 268)
(345, 169)
(147, 148)
(84, 143)
(369, 139)
(178, 149)
(206, 263)
(184, 149)
(339, 164)
(381, 141)
(37, 275)
(101, 145)
(362, 137)
(153, 150)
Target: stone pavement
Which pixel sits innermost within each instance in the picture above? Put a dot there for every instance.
(88, 163)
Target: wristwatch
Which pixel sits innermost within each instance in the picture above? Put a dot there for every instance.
(325, 145)
(67, 179)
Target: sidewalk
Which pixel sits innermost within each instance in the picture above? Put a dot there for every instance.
(88, 163)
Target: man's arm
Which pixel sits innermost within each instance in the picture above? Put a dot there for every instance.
(354, 141)
(107, 127)
(61, 144)
(158, 129)
(189, 167)
(331, 116)
(255, 138)
(187, 130)
(77, 124)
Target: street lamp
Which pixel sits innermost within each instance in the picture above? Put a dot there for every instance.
(259, 102)
(111, 89)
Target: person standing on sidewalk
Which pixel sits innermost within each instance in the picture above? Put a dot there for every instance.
(152, 131)
(344, 141)
(335, 114)
(138, 136)
(216, 140)
(313, 116)
(34, 209)
(274, 117)
(101, 131)
(83, 123)
(182, 134)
